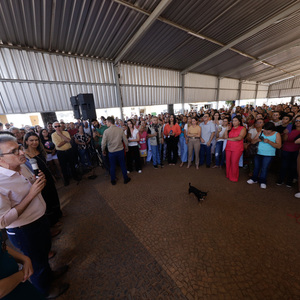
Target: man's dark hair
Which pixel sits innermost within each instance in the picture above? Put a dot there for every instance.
(270, 126)
(1, 124)
(111, 120)
(289, 116)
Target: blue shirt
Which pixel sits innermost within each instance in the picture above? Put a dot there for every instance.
(265, 148)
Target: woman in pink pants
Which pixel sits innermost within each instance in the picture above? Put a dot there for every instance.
(234, 148)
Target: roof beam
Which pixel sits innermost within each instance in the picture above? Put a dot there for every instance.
(151, 19)
(292, 8)
(261, 58)
(278, 67)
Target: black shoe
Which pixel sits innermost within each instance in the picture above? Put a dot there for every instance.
(155, 166)
(207, 166)
(162, 165)
(57, 291)
(113, 182)
(127, 180)
(59, 272)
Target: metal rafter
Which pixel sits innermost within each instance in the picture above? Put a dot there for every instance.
(153, 16)
(292, 8)
(261, 58)
(277, 67)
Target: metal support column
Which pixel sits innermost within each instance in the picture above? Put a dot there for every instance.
(218, 93)
(182, 91)
(256, 93)
(240, 93)
(119, 94)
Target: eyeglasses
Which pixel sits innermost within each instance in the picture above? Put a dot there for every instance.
(57, 126)
(297, 121)
(14, 151)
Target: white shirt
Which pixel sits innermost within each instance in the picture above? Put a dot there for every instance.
(87, 130)
(253, 133)
(221, 133)
(133, 137)
(14, 187)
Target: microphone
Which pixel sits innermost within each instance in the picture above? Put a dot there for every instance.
(34, 166)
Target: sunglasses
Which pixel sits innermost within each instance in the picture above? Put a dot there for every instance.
(57, 126)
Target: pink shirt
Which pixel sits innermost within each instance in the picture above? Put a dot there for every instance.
(14, 187)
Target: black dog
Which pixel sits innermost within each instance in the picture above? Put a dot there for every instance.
(199, 194)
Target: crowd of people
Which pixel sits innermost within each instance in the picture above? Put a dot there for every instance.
(248, 137)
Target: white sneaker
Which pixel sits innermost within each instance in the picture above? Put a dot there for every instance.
(250, 181)
(128, 172)
(297, 195)
(139, 171)
(263, 186)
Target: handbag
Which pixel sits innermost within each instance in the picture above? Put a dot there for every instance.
(252, 148)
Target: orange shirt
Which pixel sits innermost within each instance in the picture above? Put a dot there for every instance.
(176, 130)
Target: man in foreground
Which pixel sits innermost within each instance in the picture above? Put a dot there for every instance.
(113, 138)
(22, 213)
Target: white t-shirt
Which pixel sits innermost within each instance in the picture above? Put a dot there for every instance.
(185, 127)
(133, 137)
(221, 133)
(253, 133)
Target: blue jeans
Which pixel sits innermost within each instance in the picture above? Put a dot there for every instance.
(113, 158)
(84, 157)
(218, 153)
(261, 164)
(34, 241)
(205, 151)
(156, 152)
(183, 149)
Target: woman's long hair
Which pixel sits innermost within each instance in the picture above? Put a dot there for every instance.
(42, 137)
(40, 147)
(128, 128)
(174, 122)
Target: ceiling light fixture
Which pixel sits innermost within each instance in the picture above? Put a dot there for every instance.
(196, 35)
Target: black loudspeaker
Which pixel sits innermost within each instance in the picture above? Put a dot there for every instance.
(87, 105)
(75, 105)
(170, 109)
(48, 117)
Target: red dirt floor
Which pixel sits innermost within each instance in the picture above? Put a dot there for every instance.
(150, 239)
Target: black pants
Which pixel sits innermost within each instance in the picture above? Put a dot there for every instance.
(172, 149)
(67, 158)
(133, 154)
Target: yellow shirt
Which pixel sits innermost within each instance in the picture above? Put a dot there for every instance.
(56, 139)
(193, 131)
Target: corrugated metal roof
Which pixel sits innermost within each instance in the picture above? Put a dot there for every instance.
(102, 28)
(74, 29)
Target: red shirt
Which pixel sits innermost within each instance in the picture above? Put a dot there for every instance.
(175, 128)
(72, 132)
(236, 145)
(290, 145)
